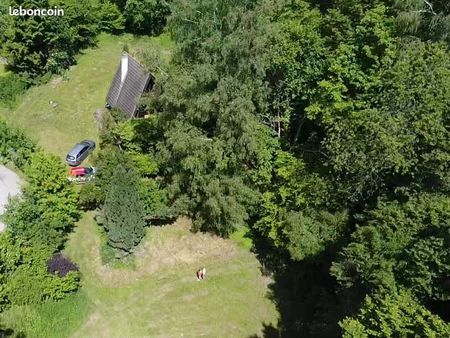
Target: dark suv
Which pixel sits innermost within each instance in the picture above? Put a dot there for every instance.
(79, 152)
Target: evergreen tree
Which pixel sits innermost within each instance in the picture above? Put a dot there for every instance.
(35, 45)
(123, 212)
(25, 39)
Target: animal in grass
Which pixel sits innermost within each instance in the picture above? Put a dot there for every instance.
(201, 274)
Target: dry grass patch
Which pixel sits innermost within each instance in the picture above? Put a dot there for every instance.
(161, 297)
(167, 247)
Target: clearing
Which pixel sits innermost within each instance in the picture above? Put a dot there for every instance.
(60, 113)
(156, 295)
(161, 297)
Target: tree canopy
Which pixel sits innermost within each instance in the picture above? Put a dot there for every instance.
(322, 127)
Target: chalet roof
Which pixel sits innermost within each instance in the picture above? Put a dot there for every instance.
(130, 81)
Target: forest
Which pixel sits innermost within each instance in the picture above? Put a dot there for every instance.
(322, 128)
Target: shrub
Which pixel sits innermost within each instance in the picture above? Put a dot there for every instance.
(15, 147)
(60, 265)
(11, 86)
(48, 209)
(93, 195)
(24, 277)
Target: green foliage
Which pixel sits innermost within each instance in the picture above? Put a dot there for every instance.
(11, 87)
(51, 43)
(400, 244)
(24, 276)
(38, 223)
(25, 56)
(151, 190)
(93, 195)
(217, 201)
(123, 212)
(49, 319)
(47, 210)
(221, 205)
(15, 147)
(146, 16)
(394, 315)
(429, 20)
(293, 214)
(155, 199)
(297, 62)
(213, 149)
(310, 235)
(111, 19)
(383, 137)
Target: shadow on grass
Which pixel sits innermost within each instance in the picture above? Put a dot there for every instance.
(10, 333)
(307, 297)
(269, 331)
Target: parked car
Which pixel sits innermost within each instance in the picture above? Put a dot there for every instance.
(79, 152)
(81, 174)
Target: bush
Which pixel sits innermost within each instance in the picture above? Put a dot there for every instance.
(24, 277)
(60, 265)
(11, 86)
(15, 147)
(155, 200)
(92, 195)
(48, 209)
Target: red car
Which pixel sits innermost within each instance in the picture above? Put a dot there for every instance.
(81, 174)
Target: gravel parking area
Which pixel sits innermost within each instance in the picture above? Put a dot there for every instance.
(9, 187)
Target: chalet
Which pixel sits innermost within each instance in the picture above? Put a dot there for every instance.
(129, 83)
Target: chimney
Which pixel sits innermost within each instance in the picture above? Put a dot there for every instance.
(124, 67)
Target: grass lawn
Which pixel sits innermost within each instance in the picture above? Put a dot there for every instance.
(60, 113)
(158, 294)
(160, 297)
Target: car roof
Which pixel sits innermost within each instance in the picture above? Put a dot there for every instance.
(76, 149)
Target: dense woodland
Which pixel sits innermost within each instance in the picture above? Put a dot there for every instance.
(322, 127)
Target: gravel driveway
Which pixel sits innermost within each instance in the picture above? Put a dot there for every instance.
(9, 186)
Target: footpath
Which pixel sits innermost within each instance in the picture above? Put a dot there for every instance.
(9, 187)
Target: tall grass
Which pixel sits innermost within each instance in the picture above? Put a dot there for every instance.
(51, 319)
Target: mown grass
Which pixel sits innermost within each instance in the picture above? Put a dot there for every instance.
(161, 297)
(61, 112)
(157, 295)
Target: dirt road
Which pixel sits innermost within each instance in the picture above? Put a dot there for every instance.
(9, 187)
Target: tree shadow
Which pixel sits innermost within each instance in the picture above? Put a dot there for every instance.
(309, 301)
(10, 333)
(269, 331)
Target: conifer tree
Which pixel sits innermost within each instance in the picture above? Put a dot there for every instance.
(124, 212)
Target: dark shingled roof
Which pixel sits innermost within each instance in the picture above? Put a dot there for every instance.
(125, 94)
